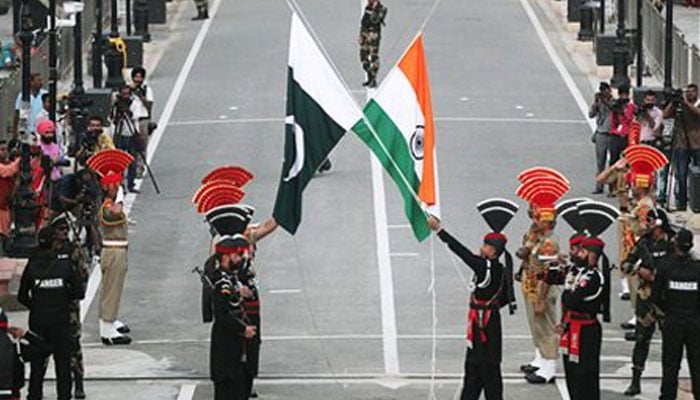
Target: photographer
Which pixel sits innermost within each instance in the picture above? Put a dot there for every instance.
(683, 107)
(621, 118)
(141, 109)
(95, 139)
(125, 133)
(600, 110)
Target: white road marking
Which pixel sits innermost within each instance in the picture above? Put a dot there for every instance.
(223, 116)
(437, 119)
(404, 254)
(96, 275)
(187, 391)
(386, 280)
(563, 392)
(284, 291)
(565, 75)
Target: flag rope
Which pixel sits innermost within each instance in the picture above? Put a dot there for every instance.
(433, 292)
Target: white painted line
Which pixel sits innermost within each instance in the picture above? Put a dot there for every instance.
(519, 107)
(284, 291)
(563, 392)
(96, 275)
(438, 119)
(565, 75)
(511, 120)
(228, 121)
(187, 391)
(404, 254)
(399, 226)
(386, 279)
(233, 108)
(223, 116)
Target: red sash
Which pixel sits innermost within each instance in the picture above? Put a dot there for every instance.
(570, 340)
(479, 314)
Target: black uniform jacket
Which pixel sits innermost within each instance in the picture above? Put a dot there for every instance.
(583, 302)
(488, 288)
(676, 289)
(227, 341)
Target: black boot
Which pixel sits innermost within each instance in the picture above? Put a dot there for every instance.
(79, 391)
(635, 387)
(201, 14)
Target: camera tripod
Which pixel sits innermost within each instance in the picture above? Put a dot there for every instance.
(122, 120)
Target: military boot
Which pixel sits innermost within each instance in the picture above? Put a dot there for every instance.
(79, 392)
(202, 13)
(635, 387)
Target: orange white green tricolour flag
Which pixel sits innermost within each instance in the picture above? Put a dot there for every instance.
(401, 134)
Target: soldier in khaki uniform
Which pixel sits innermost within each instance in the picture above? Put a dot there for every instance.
(542, 187)
(110, 164)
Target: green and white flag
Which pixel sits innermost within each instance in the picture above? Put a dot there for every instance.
(319, 113)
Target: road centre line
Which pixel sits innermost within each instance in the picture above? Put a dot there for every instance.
(163, 121)
(284, 338)
(403, 254)
(202, 122)
(187, 391)
(284, 291)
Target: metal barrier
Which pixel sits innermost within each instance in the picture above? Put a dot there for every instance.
(686, 58)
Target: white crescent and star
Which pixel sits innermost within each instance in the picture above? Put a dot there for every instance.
(298, 164)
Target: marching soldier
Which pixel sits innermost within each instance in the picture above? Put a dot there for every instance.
(231, 330)
(370, 36)
(542, 187)
(676, 292)
(202, 7)
(76, 255)
(492, 290)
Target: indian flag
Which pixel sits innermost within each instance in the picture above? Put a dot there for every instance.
(402, 135)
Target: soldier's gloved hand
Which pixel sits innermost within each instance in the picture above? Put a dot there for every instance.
(518, 276)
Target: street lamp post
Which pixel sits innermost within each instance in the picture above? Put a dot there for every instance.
(24, 204)
(620, 50)
(97, 47)
(668, 53)
(141, 20)
(53, 57)
(77, 100)
(640, 46)
(113, 58)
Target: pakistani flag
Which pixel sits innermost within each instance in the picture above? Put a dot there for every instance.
(319, 112)
(399, 130)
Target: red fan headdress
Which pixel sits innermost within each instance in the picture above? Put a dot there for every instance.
(644, 161)
(110, 164)
(215, 194)
(237, 175)
(542, 188)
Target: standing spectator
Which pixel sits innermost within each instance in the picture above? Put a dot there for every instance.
(49, 147)
(35, 103)
(141, 109)
(48, 285)
(686, 140)
(651, 119)
(620, 120)
(600, 110)
(125, 131)
(8, 172)
(94, 140)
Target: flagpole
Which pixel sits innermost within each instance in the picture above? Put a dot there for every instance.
(294, 7)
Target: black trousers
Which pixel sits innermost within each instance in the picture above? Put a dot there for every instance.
(482, 376)
(230, 390)
(642, 341)
(582, 384)
(675, 336)
(58, 337)
(617, 145)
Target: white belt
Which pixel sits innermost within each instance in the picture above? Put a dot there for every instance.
(115, 243)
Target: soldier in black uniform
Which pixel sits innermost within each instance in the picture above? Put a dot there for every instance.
(651, 247)
(492, 290)
(48, 285)
(582, 334)
(676, 291)
(231, 329)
